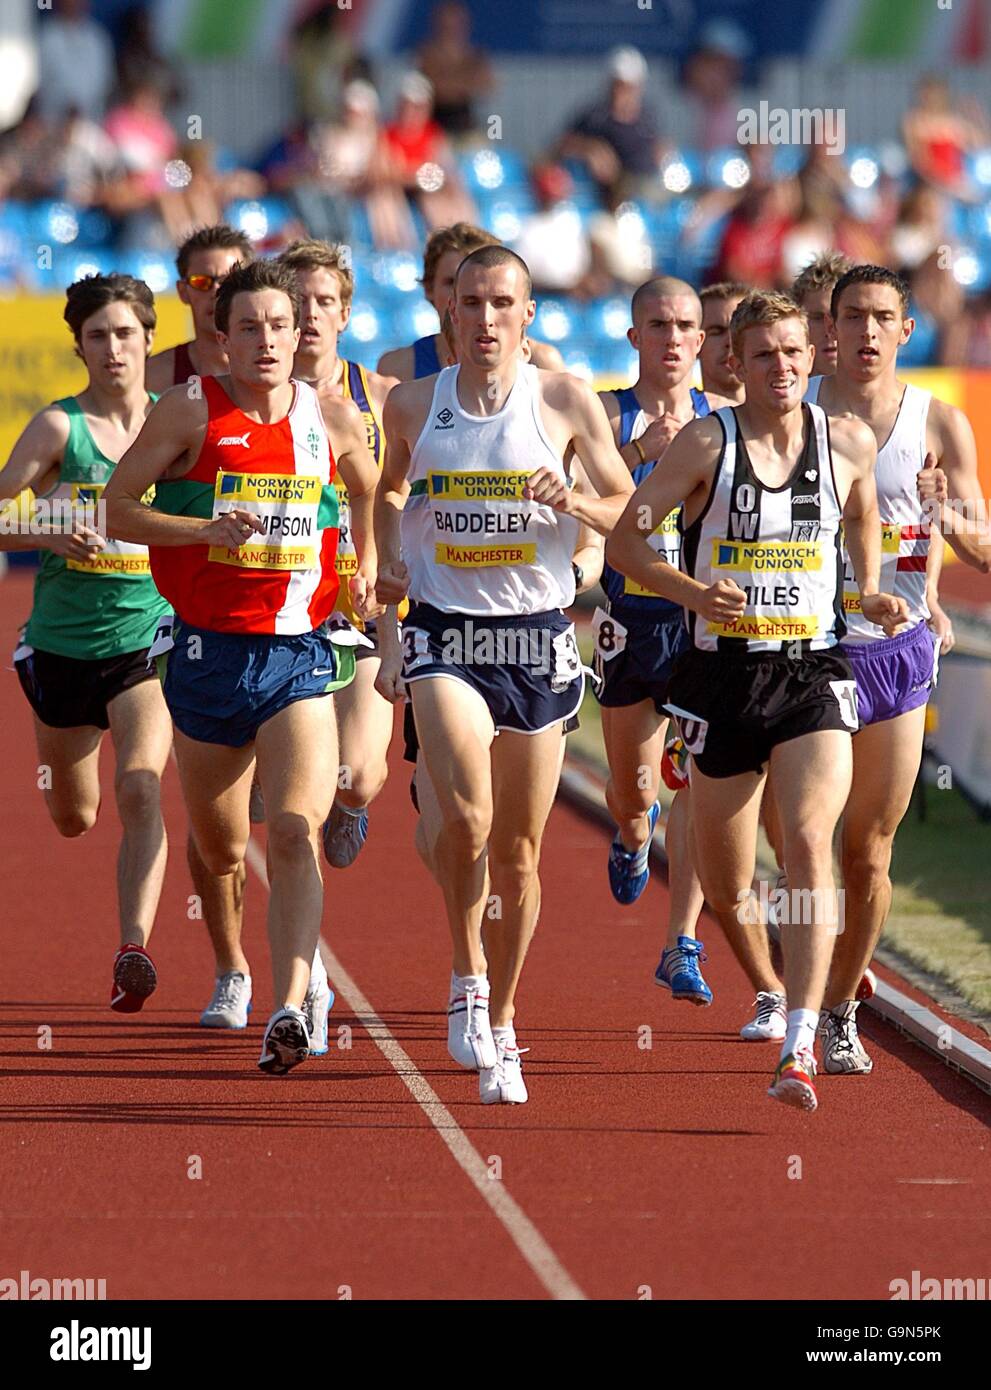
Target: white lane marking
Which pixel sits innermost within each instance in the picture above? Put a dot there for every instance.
(518, 1226)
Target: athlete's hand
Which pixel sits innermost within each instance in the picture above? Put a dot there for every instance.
(81, 543)
(886, 611)
(392, 582)
(658, 435)
(232, 529)
(549, 489)
(389, 682)
(722, 602)
(941, 627)
(362, 588)
(932, 486)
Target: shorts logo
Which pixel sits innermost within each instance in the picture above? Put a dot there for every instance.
(231, 440)
(445, 417)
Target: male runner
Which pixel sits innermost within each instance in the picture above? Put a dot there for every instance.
(716, 354)
(242, 537)
(488, 533)
(203, 260)
(895, 676)
(446, 248)
(83, 660)
(326, 288)
(764, 486)
(812, 291)
(639, 634)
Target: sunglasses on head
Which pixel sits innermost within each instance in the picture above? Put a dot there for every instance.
(204, 282)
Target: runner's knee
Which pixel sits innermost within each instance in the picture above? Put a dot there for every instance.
(290, 837)
(73, 821)
(466, 830)
(138, 795)
(866, 864)
(512, 869)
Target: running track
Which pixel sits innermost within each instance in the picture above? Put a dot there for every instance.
(631, 1169)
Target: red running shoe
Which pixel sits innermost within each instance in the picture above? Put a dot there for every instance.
(135, 978)
(867, 987)
(674, 764)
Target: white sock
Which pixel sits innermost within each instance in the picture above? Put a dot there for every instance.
(505, 1033)
(802, 1024)
(349, 812)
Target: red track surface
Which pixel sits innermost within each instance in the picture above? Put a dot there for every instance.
(665, 1168)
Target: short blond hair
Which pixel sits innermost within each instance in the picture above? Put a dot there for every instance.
(461, 236)
(760, 308)
(310, 254)
(820, 274)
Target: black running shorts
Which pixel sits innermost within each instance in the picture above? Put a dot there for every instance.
(732, 710)
(66, 692)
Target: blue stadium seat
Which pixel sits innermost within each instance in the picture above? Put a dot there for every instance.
(920, 350)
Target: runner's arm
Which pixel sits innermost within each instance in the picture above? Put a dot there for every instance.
(590, 547)
(174, 427)
(34, 460)
(595, 445)
(966, 526)
(390, 499)
(855, 447)
(357, 468)
(690, 462)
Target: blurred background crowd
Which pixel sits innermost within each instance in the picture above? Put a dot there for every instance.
(129, 122)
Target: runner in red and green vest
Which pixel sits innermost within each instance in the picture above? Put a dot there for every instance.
(242, 536)
(83, 659)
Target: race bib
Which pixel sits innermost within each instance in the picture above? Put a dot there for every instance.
(566, 662)
(609, 634)
(116, 559)
(691, 728)
(846, 698)
(663, 540)
(347, 556)
(416, 649)
(287, 504)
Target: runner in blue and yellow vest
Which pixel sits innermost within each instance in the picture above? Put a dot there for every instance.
(83, 658)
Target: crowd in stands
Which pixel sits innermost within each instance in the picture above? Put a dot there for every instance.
(610, 199)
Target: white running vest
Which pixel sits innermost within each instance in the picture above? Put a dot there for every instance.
(470, 541)
(904, 527)
(780, 545)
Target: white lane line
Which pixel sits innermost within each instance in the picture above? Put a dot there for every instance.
(518, 1226)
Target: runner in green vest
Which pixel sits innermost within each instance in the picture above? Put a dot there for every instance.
(83, 657)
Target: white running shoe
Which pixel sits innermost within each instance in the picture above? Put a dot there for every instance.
(286, 1042)
(469, 1033)
(770, 1023)
(503, 1084)
(842, 1050)
(231, 1002)
(317, 1005)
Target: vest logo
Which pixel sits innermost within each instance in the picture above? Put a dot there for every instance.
(312, 442)
(811, 474)
(806, 499)
(232, 440)
(445, 417)
(769, 556)
(495, 485)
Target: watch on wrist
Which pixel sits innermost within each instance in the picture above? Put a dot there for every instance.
(579, 574)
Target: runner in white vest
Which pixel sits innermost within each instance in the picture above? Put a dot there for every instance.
(475, 493)
(764, 686)
(895, 675)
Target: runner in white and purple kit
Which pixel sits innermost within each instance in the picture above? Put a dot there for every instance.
(895, 675)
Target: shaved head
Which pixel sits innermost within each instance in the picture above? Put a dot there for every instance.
(663, 287)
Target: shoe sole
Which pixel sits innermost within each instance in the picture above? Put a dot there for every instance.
(699, 1000)
(848, 1071)
(798, 1094)
(500, 1098)
(340, 862)
(763, 1037)
(287, 1047)
(137, 979)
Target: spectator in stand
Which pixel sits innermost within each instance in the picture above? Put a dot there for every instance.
(812, 232)
(617, 138)
(551, 240)
(920, 228)
(751, 248)
(419, 158)
(200, 202)
(967, 340)
(145, 143)
(139, 58)
(75, 61)
(324, 61)
(459, 73)
(711, 83)
(622, 256)
(27, 163)
(938, 135)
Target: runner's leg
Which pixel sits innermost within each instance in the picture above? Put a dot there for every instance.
(725, 812)
(364, 723)
(525, 772)
(297, 766)
(456, 735)
(222, 902)
(634, 739)
(684, 888)
(811, 782)
(71, 758)
(142, 734)
(886, 759)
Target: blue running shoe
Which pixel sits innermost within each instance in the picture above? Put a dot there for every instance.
(628, 868)
(679, 972)
(344, 833)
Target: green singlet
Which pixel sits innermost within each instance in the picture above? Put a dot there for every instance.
(98, 608)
